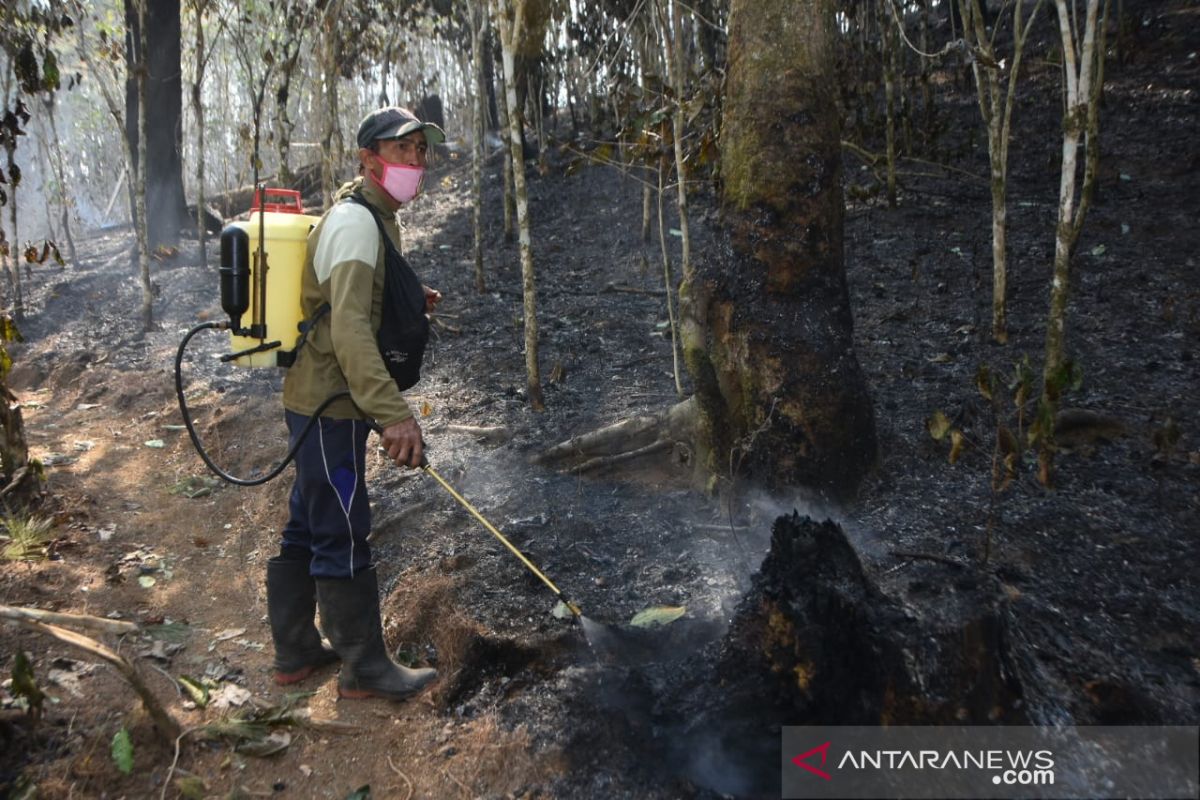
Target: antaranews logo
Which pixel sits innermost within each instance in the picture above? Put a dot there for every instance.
(802, 760)
(856, 762)
(1008, 767)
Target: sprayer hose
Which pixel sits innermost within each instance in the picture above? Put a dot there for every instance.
(187, 418)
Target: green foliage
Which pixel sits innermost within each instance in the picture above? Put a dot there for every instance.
(27, 536)
(25, 687)
(122, 751)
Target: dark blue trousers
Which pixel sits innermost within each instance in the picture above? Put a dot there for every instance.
(329, 516)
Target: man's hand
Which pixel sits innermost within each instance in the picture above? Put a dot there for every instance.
(432, 298)
(403, 443)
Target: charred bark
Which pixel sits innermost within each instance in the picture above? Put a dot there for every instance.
(845, 653)
(768, 328)
(166, 208)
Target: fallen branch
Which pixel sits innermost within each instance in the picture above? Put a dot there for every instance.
(627, 439)
(616, 287)
(929, 557)
(620, 458)
(96, 624)
(165, 723)
(488, 433)
(17, 479)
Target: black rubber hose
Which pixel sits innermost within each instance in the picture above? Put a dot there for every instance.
(187, 418)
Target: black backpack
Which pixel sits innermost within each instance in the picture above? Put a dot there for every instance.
(404, 329)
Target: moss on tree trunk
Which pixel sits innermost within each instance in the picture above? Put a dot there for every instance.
(768, 333)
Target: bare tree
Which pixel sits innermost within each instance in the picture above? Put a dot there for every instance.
(1083, 82)
(996, 106)
(477, 15)
(511, 18)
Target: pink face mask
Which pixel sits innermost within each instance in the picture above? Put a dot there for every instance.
(400, 181)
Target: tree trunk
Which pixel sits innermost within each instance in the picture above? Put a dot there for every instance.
(511, 32)
(198, 110)
(768, 333)
(888, 47)
(165, 202)
(1082, 75)
(506, 156)
(143, 160)
(478, 17)
(60, 176)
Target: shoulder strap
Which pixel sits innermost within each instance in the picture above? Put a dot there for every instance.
(358, 199)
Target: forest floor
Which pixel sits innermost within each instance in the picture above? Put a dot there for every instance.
(1100, 572)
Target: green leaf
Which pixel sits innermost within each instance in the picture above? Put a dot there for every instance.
(192, 787)
(938, 425)
(361, 793)
(24, 682)
(657, 615)
(122, 751)
(195, 689)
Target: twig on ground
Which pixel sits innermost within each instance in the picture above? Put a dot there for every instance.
(489, 433)
(166, 724)
(404, 777)
(617, 287)
(84, 621)
(929, 557)
(461, 785)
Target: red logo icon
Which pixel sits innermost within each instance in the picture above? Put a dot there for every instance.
(823, 749)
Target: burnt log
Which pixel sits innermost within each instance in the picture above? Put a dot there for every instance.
(841, 651)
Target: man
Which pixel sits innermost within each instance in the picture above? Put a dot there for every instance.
(324, 558)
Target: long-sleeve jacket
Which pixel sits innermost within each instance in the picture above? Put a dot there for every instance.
(345, 268)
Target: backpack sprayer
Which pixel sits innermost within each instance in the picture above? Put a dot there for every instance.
(275, 311)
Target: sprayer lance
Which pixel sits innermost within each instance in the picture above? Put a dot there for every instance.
(570, 604)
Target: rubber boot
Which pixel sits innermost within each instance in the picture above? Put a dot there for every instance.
(350, 616)
(291, 606)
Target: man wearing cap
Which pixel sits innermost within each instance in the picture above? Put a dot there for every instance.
(325, 559)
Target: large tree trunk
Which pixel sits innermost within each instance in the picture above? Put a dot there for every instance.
(768, 328)
(165, 203)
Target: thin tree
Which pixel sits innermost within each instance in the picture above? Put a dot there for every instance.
(143, 234)
(1083, 82)
(477, 17)
(512, 31)
(105, 59)
(60, 174)
(506, 167)
(203, 53)
(996, 106)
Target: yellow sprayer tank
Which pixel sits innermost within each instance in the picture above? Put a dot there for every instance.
(284, 229)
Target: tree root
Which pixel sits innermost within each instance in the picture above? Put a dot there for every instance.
(628, 440)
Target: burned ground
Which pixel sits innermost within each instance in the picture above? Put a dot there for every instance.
(1097, 576)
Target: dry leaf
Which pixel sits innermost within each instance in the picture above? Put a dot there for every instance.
(657, 615)
(938, 425)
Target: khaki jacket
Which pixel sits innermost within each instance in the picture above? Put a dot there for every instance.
(341, 352)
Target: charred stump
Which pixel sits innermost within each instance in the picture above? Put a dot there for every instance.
(843, 652)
